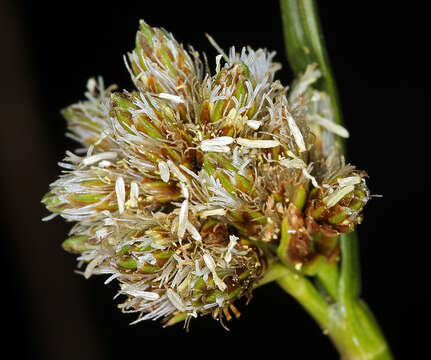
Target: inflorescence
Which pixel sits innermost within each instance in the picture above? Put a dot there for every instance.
(190, 185)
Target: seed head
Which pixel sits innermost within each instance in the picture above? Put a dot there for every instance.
(186, 185)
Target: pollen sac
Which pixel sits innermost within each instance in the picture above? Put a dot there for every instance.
(186, 187)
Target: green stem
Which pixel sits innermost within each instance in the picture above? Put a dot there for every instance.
(350, 277)
(304, 46)
(348, 321)
(306, 293)
(352, 328)
(328, 276)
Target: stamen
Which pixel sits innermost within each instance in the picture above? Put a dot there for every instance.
(120, 190)
(258, 144)
(337, 195)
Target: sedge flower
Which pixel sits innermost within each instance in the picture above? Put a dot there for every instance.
(187, 188)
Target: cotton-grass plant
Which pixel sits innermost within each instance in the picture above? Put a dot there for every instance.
(201, 184)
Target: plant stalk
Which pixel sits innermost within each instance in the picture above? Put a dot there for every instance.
(347, 320)
(351, 326)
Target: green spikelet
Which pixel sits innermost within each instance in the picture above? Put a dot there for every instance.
(87, 120)
(157, 49)
(336, 208)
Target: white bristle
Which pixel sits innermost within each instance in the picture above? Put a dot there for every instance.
(134, 194)
(258, 144)
(174, 169)
(184, 190)
(215, 148)
(91, 266)
(295, 163)
(311, 177)
(105, 164)
(232, 242)
(330, 126)
(209, 262)
(176, 300)
(183, 218)
(109, 155)
(174, 98)
(296, 133)
(193, 231)
(120, 190)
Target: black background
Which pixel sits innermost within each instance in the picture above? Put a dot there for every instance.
(49, 50)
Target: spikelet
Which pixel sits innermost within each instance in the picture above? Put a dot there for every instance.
(188, 178)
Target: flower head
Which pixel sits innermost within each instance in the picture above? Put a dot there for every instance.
(190, 184)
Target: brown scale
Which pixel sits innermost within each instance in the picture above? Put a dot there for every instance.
(181, 63)
(328, 247)
(300, 245)
(148, 155)
(204, 115)
(315, 226)
(151, 84)
(246, 224)
(215, 233)
(160, 191)
(145, 45)
(227, 130)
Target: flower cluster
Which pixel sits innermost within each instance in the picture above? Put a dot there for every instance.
(187, 187)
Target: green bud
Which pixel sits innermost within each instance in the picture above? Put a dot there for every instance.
(128, 263)
(299, 197)
(149, 268)
(163, 255)
(155, 46)
(76, 244)
(176, 318)
(54, 203)
(71, 114)
(85, 198)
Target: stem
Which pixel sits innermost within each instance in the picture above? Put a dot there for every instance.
(350, 277)
(348, 321)
(304, 46)
(306, 293)
(352, 329)
(328, 276)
